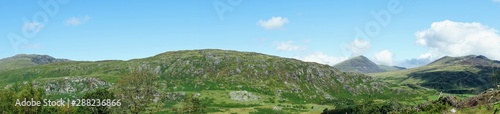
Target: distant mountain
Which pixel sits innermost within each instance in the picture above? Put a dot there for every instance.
(361, 64)
(390, 68)
(474, 60)
(466, 74)
(27, 60)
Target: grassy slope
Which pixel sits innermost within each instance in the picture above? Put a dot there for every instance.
(449, 74)
(213, 73)
(26, 60)
(15, 63)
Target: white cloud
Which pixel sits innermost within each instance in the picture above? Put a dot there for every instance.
(273, 23)
(33, 26)
(496, 0)
(384, 57)
(459, 39)
(358, 47)
(75, 21)
(288, 46)
(320, 57)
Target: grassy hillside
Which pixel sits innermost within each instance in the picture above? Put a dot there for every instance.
(468, 74)
(25, 60)
(220, 75)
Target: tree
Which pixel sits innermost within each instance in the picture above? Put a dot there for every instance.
(20, 92)
(101, 94)
(6, 101)
(136, 91)
(29, 92)
(192, 104)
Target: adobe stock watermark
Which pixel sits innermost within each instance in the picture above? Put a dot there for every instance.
(382, 19)
(222, 7)
(32, 27)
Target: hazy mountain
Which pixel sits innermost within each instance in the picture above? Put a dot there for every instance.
(466, 74)
(390, 68)
(359, 64)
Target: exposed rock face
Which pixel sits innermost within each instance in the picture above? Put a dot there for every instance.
(242, 96)
(486, 97)
(45, 59)
(72, 85)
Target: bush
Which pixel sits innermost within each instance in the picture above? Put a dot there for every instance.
(136, 91)
(371, 107)
(192, 104)
(100, 94)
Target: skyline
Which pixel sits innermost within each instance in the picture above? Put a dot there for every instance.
(404, 33)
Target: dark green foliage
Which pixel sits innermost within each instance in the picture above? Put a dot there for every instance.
(234, 105)
(102, 94)
(370, 107)
(9, 97)
(136, 91)
(268, 111)
(433, 107)
(193, 105)
(339, 102)
(457, 82)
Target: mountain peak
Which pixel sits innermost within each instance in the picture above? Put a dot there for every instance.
(359, 64)
(464, 60)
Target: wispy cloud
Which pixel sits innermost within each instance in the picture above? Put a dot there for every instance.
(358, 47)
(273, 23)
(75, 21)
(33, 26)
(498, 1)
(288, 46)
(32, 46)
(320, 57)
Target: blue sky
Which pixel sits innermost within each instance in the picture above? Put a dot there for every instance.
(320, 31)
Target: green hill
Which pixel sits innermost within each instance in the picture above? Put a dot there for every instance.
(359, 64)
(229, 78)
(467, 74)
(26, 60)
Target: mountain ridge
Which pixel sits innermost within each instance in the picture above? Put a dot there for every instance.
(465, 60)
(27, 60)
(465, 74)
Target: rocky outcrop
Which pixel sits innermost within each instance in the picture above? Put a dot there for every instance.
(242, 96)
(72, 85)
